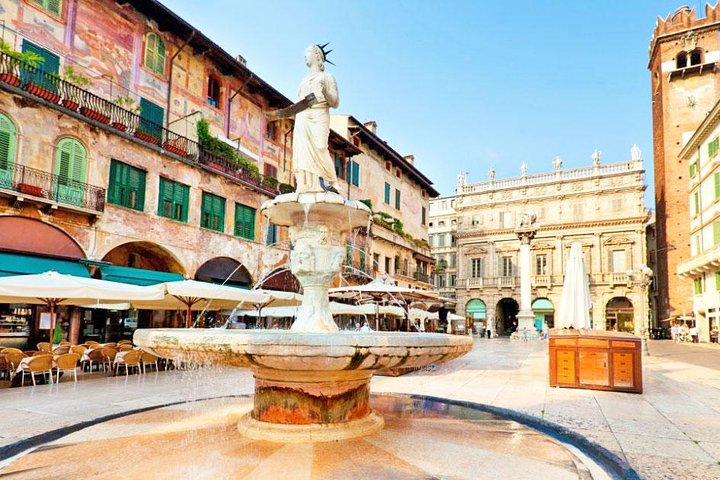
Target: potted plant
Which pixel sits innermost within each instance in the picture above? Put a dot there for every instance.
(178, 146)
(145, 136)
(72, 97)
(14, 59)
(120, 119)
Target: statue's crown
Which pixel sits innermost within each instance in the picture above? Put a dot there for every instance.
(324, 52)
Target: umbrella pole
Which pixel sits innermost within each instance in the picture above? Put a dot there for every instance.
(52, 321)
(188, 315)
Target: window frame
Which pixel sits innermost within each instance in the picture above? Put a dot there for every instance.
(245, 218)
(121, 190)
(148, 52)
(180, 192)
(212, 212)
(44, 5)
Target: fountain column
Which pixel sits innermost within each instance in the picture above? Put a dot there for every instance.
(526, 232)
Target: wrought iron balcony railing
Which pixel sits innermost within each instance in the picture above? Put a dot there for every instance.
(55, 188)
(52, 88)
(421, 277)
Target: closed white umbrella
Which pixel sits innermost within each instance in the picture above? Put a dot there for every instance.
(574, 308)
(53, 289)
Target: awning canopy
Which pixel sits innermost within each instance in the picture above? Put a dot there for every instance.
(16, 264)
(137, 276)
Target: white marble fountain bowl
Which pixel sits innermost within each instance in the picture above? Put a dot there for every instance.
(293, 351)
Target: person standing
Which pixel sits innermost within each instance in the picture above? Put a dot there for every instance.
(488, 329)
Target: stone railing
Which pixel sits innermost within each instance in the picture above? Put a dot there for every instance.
(552, 177)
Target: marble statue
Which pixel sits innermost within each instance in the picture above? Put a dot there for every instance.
(523, 169)
(557, 162)
(313, 166)
(635, 153)
(527, 220)
(491, 174)
(596, 157)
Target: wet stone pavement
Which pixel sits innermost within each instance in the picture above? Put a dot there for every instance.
(670, 431)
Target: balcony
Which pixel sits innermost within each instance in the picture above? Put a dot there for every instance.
(363, 269)
(707, 261)
(421, 277)
(30, 184)
(22, 78)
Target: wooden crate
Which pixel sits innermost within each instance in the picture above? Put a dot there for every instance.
(595, 359)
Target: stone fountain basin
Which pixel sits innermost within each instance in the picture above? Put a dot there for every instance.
(293, 351)
(295, 208)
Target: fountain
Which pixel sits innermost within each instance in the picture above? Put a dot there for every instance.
(312, 383)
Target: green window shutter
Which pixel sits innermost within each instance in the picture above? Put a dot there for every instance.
(7, 146)
(397, 199)
(52, 6)
(173, 200)
(50, 64)
(716, 232)
(244, 221)
(152, 118)
(387, 193)
(114, 183)
(348, 171)
(717, 184)
(338, 166)
(162, 196)
(717, 281)
(155, 53)
(213, 212)
(182, 201)
(356, 174)
(713, 147)
(696, 286)
(136, 188)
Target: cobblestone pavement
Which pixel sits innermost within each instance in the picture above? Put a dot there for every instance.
(668, 432)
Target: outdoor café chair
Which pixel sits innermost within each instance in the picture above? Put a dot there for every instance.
(39, 364)
(66, 363)
(147, 358)
(125, 347)
(129, 359)
(79, 349)
(92, 343)
(13, 359)
(61, 350)
(108, 354)
(95, 357)
(44, 347)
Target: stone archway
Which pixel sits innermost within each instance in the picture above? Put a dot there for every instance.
(619, 315)
(145, 256)
(544, 312)
(224, 270)
(281, 279)
(506, 312)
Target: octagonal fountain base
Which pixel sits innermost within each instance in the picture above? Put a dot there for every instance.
(308, 386)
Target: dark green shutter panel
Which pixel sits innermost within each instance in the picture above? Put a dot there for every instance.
(136, 183)
(348, 171)
(114, 184)
(717, 185)
(65, 158)
(181, 197)
(716, 233)
(356, 174)
(7, 150)
(161, 197)
(152, 118)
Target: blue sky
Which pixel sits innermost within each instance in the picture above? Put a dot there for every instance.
(465, 85)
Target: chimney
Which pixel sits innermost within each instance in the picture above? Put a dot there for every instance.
(410, 158)
(371, 125)
(241, 60)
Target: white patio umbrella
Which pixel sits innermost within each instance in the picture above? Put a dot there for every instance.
(195, 295)
(574, 308)
(53, 289)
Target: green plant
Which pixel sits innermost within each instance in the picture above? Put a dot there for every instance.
(57, 333)
(76, 78)
(127, 102)
(286, 188)
(367, 202)
(270, 182)
(222, 149)
(31, 58)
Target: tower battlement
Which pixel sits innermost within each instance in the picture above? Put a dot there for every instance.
(682, 19)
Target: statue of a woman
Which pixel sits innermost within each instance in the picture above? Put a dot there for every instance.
(312, 164)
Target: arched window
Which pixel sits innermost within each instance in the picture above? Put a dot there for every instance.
(681, 60)
(71, 169)
(8, 134)
(155, 53)
(696, 57)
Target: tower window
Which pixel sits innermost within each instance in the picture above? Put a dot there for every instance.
(696, 57)
(681, 60)
(213, 95)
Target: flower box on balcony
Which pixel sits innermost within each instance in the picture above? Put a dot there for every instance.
(70, 104)
(10, 79)
(28, 189)
(145, 137)
(170, 147)
(119, 126)
(95, 115)
(42, 92)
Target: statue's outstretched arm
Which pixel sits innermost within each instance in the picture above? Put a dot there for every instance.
(292, 110)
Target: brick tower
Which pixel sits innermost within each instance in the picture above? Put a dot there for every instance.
(685, 76)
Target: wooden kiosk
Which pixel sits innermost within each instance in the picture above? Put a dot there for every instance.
(595, 359)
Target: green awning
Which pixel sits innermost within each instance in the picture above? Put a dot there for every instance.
(17, 264)
(137, 276)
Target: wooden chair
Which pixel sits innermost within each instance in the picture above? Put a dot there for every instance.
(66, 363)
(95, 357)
(79, 349)
(147, 358)
(130, 359)
(44, 347)
(39, 364)
(108, 357)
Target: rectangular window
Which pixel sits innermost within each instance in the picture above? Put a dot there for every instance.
(713, 147)
(697, 245)
(339, 167)
(717, 185)
(52, 6)
(440, 239)
(618, 261)
(270, 170)
(387, 193)
(387, 265)
(271, 131)
(213, 93)
(397, 199)
(376, 261)
(541, 265)
(212, 212)
(355, 180)
(244, 221)
(272, 234)
(451, 260)
(423, 218)
(476, 267)
(698, 286)
(453, 280)
(173, 200)
(126, 186)
(362, 260)
(441, 281)
(717, 281)
(696, 203)
(506, 267)
(693, 169)
(152, 118)
(716, 232)
(50, 64)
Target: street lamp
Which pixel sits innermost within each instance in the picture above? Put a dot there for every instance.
(642, 278)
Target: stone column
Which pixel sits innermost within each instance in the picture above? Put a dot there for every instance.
(525, 232)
